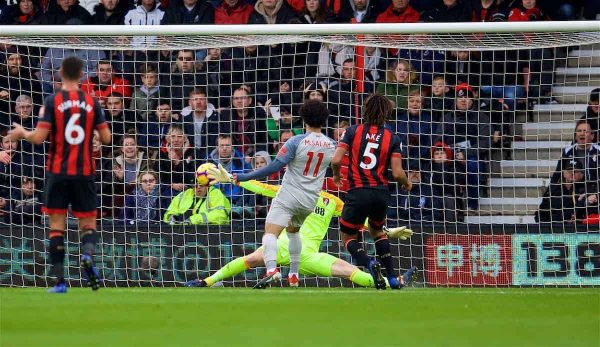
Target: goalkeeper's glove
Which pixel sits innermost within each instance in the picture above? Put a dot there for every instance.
(219, 175)
(401, 233)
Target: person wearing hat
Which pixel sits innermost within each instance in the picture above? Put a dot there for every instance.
(467, 130)
(560, 199)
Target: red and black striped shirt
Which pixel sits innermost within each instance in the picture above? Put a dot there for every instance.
(370, 149)
(71, 117)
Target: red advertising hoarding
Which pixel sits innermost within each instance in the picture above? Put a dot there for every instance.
(468, 260)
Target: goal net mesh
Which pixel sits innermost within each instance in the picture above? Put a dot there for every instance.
(504, 170)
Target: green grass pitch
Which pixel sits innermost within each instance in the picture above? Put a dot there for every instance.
(303, 317)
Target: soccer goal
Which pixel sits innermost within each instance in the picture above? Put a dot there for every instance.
(498, 124)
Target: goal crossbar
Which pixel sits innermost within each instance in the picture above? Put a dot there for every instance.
(302, 29)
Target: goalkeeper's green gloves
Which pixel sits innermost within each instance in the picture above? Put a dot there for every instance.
(402, 233)
(219, 175)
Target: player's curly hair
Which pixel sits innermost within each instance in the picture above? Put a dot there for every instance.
(377, 109)
(314, 113)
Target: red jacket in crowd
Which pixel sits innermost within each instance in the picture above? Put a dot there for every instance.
(117, 85)
(238, 14)
(297, 5)
(521, 14)
(409, 15)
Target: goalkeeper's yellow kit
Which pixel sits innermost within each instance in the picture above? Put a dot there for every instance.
(312, 232)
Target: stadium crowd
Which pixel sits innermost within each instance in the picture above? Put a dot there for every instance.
(171, 111)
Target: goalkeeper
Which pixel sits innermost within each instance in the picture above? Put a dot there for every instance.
(312, 232)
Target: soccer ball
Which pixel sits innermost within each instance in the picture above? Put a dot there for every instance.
(202, 174)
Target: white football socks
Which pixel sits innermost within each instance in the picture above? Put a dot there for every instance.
(295, 248)
(269, 241)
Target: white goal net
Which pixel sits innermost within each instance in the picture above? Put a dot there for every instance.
(498, 124)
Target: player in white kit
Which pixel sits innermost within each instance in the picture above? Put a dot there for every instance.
(307, 157)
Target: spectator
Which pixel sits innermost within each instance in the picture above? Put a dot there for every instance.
(130, 162)
(285, 120)
(332, 57)
(24, 112)
(126, 61)
(373, 66)
(105, 82)
(315, 91)
(463, 67)
(283, 95)
(271, 12)
(120, 121)
(143, 205)
(559, 202)
(202, 123)
(358, 11)
(417, 202)
(155, 130)
(489, 11)
(189, 12)
(233, 12)
(217, 66)
(343, 97)
(11, 166)
(414, 127)
(183, 77)
(584, 150)
(467, 130)
(526, 11)
(147, 12)
(314, 12)
(247, 124)
(262, 159)
(503, 76)
(23, 12)
(110, 12)
(233, 162)
(175, 164)
(449, 11)
(251, 68)
(145, 97)
(307, 53)
(448, 182)
(441, 100)
(25, 206)
(426, 63)
(592, 114)
(284, 135)
(15, 79)
(399, 11)
(104, 177)
(66, 12)
(126, 167)
(53, 58)
(199, 205)
(399, 79)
